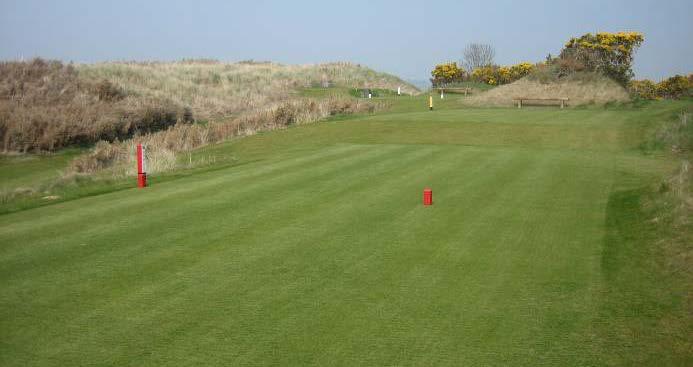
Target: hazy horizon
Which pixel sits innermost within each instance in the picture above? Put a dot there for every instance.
(403, 38)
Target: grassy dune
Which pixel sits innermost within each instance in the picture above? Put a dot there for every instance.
(48, 105)
(310, 246)
(215, 89)
(580, 88)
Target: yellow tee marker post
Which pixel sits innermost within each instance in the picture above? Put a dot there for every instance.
(430, 103)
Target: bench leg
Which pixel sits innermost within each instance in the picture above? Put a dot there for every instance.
(562, 102)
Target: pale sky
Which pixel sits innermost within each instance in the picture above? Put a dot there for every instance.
(402, 37)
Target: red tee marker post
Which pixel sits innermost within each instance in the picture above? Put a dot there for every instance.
(427, 197)
(141, 167)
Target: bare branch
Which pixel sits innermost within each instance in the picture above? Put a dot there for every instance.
(478, 55)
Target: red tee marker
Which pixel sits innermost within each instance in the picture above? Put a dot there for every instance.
(141, 167)
(427, 196)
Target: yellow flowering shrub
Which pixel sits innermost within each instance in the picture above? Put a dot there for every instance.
(521, 70)
(496, 75)
(675, 87)
(485, 74)
(503, 75)
(622, 41)
(447, 73)
(645, 89)
(608, 53)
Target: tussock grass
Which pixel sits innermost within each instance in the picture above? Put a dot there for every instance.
(164, 146)
(46, 105)
(580, 88)
(217, 90)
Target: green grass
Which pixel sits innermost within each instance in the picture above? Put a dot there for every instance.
(30, 170)
(310, 246)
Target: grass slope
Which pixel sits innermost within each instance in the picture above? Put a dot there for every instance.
(27, 170)
(313, 248)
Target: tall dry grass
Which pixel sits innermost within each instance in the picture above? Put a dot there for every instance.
(47, 105)
(580, 88)
(164, 147)
(217, 90)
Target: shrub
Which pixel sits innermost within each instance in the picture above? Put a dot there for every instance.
(675, 87)
(608, 53)
(644, 89)
(496, 75)
(447, 73)
(520, 70)
(567, 65)
(486, 74)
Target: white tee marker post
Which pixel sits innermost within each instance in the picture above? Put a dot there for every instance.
(441, 93)
(399, 91)
(141, 166)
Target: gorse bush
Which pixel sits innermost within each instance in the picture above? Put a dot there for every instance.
(675, 87)
(450, 73)
(518, 71)
(447, 73)
(608, 53)
(497, 75)
(645, 89)
(485, 74)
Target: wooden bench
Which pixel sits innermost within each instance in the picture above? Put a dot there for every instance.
(561, 101)
(466, 91)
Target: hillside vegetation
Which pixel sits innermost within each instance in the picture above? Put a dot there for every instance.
(47, 105)
(580, 88)
(164, 146)
(214, 89)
